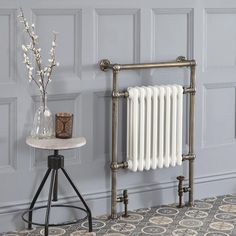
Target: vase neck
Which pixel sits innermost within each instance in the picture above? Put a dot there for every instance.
(43, 101)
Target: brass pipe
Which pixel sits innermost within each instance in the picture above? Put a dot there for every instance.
(191, 134)
(120, 94)
(105, 65)
(189, 90)
(119, 199)
(121, 165)
(188, 157)
(186, 189)
(156, 65)
(115, 107)
(125, 94)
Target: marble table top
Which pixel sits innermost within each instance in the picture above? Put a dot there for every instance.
(56, 143)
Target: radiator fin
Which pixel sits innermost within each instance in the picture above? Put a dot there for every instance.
(154, 127)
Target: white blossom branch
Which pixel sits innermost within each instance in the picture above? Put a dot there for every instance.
(44, 73)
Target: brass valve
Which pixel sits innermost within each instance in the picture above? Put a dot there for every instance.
(180, 190)
(125, 201)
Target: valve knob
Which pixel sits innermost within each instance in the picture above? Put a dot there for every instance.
(180, 178)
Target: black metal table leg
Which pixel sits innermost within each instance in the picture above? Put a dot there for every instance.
(49, 202)
(55, 162)
(81, 198)
(55, 188)
(36, 197)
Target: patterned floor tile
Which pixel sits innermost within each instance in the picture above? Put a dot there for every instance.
(213, 216)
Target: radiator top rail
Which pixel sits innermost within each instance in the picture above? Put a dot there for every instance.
(125, 94)
(179, 62)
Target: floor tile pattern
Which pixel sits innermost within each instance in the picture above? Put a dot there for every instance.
(214, 216)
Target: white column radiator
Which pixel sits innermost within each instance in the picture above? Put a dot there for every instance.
(154, 127)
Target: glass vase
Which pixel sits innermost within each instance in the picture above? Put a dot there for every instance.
(43, 121)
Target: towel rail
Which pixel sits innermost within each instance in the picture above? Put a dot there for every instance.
(105, 65)
(180, 62)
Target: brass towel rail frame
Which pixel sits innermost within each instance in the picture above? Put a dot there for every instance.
(105, 65)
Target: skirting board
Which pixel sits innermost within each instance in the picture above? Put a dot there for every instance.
(139, 197)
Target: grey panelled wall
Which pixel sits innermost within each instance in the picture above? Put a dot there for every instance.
(124, 32)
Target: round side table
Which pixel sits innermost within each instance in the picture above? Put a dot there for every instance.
(55, 163)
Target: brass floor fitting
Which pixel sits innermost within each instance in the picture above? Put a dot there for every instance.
(125, 200)
(181, 190)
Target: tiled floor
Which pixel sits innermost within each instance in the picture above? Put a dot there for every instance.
(215, 216)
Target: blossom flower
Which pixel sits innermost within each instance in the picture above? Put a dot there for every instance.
(41, 75)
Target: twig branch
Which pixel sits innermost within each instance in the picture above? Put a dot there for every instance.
(43, 73)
